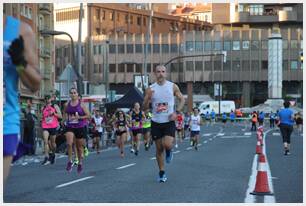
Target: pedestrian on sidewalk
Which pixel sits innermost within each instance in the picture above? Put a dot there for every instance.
(161, 96)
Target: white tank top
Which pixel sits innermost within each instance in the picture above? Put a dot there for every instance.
(162, 102)
(194, 122)
(98, 122)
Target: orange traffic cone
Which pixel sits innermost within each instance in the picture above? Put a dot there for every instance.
(258, 148)
(259, 138)
(262, 185)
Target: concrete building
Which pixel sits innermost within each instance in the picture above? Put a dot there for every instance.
(39, 17)
(244, 75)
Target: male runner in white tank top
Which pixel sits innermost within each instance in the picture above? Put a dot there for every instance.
(161, 96)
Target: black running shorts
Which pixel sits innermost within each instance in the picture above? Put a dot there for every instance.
(159, 130)
(79, 133)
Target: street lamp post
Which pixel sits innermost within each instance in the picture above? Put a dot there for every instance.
(72, 59)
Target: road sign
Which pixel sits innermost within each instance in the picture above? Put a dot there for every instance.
(216, 89)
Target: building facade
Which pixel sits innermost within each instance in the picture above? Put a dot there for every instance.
(39, 17)
(244, 74)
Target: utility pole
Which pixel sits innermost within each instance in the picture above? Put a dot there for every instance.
(79, 64)
(148, 38)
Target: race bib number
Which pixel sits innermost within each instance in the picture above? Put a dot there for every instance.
(162, 107)
(49, 120)
(73, 121)
(121, 128)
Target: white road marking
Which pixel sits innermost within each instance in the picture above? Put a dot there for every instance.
(188, 148)
(125, 166)
(276, 134)
(75, 181)
(232, 137)
(176, 152)
(252, 181)
(248, 133)
(210, 139)
(206, 135)
(220, 134)
(199, 145)
(205, 142)
(153, 158)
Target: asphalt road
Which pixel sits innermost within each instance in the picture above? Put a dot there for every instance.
(221, 171)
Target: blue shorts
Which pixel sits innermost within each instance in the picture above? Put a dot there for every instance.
(194, 133)
(10, 143)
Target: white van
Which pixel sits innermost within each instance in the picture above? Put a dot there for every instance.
(208, 106)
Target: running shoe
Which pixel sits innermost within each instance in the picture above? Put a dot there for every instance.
(46, 161)
(147, 146)
(86, 152)
(80, 168)
(132, 150)
(136, 152)
(75, 162)
(196, 147)
(169, 156)
(121, 154)
(52, 158)
(191, 143)
(163, 178)
(176, 146)
(69, 166)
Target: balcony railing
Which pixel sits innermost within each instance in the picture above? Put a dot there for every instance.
(45, 52)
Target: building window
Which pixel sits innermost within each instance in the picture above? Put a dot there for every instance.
(199, 46)
(285, 44)
(208, 66)
(138, 48)
(189, 65)
(165, 48)
(83, 50)
(103, 15)
(139, 21)
(96, 68)
(95, 49)
(126, 19)
(118, 16)
(174, 67)
(156, 48)
(217, 65)
(129, 48)
(153, 22)
(100, 68)
(98, 31)
(138, 68)
(294, 44)
(189, 46)
(131, 19)
(111, 16)
(198, 65)
(30, 13)
(255, 65)
(121, 48)
(112, 68)
(245, 45)
(82, 69)
(217, 46)
(207, 46)
(245, 65)
(236, 45)
(121, 68)
(98, 14)
(130, 68)
(255, 45)
(236, 65)
(264, 44)
(256, 9)
(144, 21)
(264, 64)
(112, 48)
(173, 48)
(285, 65)
(227, 46)
(148, 48)
(293, 64)
(100, 49)
(149, 69)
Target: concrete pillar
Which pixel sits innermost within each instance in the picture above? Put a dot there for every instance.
(189, 96)
(246, 94)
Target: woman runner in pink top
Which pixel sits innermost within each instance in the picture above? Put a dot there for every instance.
(50, 115)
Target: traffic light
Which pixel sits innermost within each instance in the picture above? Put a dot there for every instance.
(301, 57)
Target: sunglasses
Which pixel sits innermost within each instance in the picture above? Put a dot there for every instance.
(161, 71)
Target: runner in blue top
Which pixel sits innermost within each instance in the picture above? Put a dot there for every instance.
(232, 116)
(19, 60)
(213, 116)
(224, 117)
(286, 119)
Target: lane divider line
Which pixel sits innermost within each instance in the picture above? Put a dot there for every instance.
(125, 166)
(74, 181)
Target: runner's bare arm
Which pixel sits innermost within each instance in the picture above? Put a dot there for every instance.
(58, 113)
(30, 76)
(87, 113)
(180, 96)
(65, 117)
